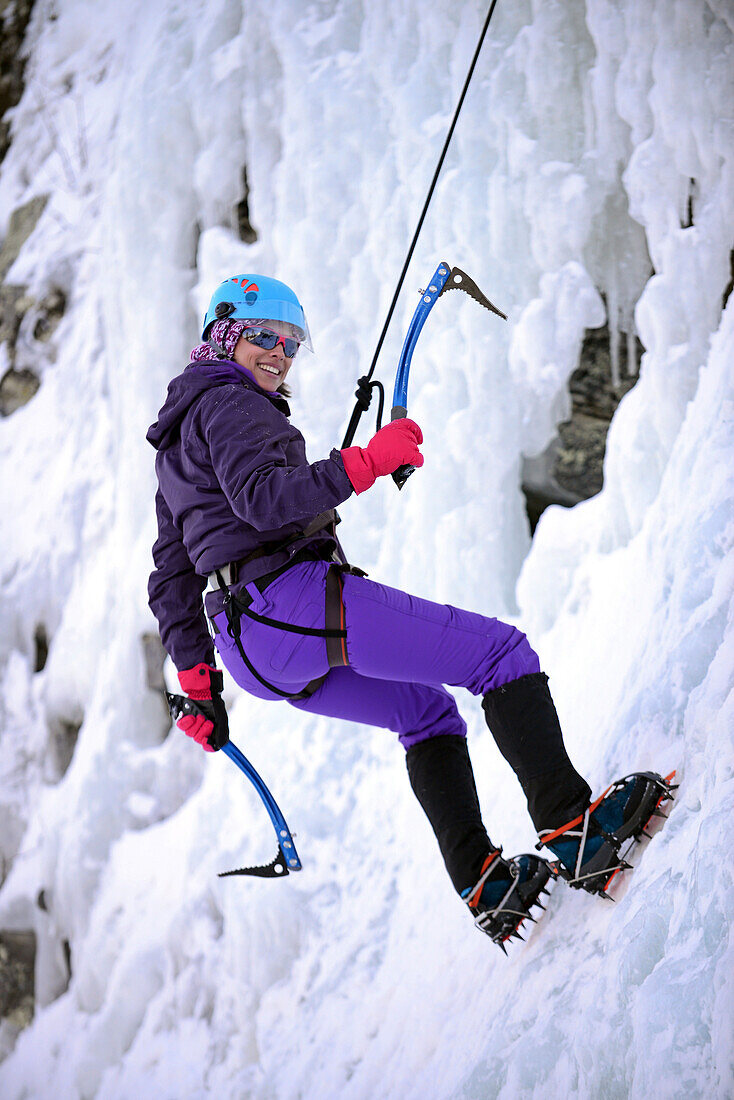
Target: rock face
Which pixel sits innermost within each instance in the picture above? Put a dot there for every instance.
(580, 455)
(22, 223)
(14, 18)
(571, 469)
(17, 958)
(17, 386)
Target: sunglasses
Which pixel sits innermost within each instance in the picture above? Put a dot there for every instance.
(267, 339)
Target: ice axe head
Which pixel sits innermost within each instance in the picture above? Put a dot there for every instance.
(459, 280)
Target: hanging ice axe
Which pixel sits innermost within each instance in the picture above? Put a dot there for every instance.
(286, 859)
(444, 279)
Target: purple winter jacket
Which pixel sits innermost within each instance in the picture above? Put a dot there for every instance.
(232, 475)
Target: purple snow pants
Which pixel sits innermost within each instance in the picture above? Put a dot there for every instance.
(401, 650)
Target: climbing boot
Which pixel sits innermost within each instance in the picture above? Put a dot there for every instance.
(589, 847)
(504, 894)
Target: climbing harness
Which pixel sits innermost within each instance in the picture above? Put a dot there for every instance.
(334, 632)
(325, 521)
(365, 384)
(237, 606)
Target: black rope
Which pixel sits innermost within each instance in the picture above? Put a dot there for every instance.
(363, 393)
(358, 409)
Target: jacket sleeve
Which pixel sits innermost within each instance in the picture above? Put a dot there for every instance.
(174, 596)
(248, 443)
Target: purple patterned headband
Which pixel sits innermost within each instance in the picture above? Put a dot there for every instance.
(226, 334)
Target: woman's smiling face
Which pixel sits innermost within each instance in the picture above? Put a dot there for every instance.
(268, 367)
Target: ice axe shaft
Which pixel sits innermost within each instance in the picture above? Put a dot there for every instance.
(287, 858)
(444, 278)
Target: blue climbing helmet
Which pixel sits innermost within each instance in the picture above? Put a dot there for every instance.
(257, 298)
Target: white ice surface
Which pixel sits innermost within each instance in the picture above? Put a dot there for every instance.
(588, 128)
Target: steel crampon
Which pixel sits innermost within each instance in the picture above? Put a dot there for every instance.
(616, 849)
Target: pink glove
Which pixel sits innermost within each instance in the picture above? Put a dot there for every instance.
(204, 684)
(394, 445)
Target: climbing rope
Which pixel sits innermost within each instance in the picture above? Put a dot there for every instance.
(365, 384)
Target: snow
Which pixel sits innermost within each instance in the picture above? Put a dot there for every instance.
(565, 195)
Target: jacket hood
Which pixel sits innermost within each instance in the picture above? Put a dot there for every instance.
(186, 388)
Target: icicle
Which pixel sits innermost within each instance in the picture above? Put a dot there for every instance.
(627, 326)
(631, 351)
(613, 320)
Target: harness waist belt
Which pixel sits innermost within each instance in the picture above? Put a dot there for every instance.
(230, 572)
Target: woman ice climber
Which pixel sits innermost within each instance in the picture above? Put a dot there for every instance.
(242, 510)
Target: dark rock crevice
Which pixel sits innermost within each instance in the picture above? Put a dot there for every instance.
(40, 644)
(14, 19)
(730, 285)
(63, 736)
(17, 977)
(245, 229)
(571, 468)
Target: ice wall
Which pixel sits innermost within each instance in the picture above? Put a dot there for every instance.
(591, 132)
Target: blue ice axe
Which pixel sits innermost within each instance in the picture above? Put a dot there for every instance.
(287, 858)
(444, 279)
